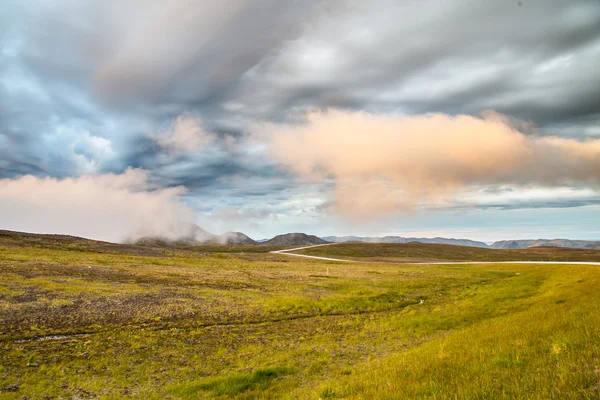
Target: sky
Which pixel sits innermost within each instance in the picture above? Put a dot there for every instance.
(474, 119)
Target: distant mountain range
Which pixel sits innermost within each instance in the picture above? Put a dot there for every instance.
(197, 236)
(522, 244)
(502, 244)
(400, 239)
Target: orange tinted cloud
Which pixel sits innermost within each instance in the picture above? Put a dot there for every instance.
(382, 163)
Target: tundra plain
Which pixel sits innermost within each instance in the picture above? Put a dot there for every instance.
(91, 320)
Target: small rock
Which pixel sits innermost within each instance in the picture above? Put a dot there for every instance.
(13, 387)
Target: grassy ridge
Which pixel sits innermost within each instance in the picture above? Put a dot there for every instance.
(423, 252)
(147, 248)
(259, 326)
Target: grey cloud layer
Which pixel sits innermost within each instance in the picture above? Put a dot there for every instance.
(536, 62)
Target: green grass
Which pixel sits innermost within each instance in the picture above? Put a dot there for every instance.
(232, 385)
(184, 325)
(543, 351)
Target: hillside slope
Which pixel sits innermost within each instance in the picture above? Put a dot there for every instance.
(71, 243)
(424, 252)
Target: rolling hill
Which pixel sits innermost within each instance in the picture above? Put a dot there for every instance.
(426, 252)
(295, 239)
(236, 238)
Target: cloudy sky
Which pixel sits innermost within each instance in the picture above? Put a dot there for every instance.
(472, 118)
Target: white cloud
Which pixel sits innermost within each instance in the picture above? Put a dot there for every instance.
(523, 197)
(107, 207)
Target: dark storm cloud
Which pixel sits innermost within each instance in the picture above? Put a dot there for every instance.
(537, 61)
(265, 59)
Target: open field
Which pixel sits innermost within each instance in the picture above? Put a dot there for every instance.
(420, 252)
(110, 322)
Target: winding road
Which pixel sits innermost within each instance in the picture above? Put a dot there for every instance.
(287, 253)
